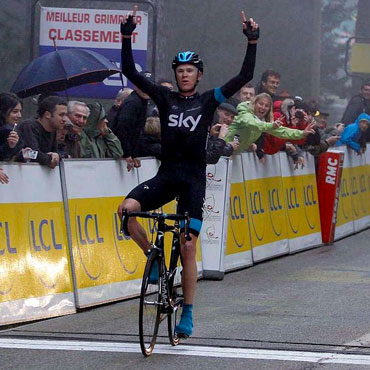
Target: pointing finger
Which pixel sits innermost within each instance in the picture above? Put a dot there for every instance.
(134, 12)
(244, 18)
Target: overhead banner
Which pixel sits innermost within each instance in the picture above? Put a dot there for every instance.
(97, 30)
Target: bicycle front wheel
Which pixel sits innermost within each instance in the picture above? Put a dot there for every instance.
(150, 299)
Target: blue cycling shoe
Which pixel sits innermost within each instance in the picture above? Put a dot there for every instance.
(185, 327)
(154, 274)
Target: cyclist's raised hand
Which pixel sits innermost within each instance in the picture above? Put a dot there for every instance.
(129, 23)
(250, 29)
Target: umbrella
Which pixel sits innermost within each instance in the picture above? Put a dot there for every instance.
(62, 69)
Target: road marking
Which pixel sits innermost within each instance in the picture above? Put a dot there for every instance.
(188, 350)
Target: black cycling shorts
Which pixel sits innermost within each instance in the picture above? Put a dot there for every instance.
(188, 182)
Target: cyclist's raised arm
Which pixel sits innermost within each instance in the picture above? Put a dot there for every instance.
(251, 31)
(127, 60)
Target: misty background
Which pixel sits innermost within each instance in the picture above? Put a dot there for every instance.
(304, 40)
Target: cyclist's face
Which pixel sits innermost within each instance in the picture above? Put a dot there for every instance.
(187, 76)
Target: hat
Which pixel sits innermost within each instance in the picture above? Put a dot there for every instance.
(228, 107)
(148, 75)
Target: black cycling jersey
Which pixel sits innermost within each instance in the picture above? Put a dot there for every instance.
(185, 121)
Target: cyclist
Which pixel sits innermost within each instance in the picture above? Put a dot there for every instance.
(186, 117)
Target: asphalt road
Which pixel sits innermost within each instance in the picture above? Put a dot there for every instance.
(306, 311)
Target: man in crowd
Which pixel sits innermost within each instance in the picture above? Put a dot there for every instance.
(269, 83)
(130, 122)
(40, 134)
(77, 118)
(246, 93)
(113, 111)
(358, 104)
(217, 146)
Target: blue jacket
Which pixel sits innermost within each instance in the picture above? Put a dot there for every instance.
(351, 134)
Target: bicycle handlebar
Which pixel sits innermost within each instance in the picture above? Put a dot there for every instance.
(163, 216)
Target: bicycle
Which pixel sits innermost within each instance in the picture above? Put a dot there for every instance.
(158, 298)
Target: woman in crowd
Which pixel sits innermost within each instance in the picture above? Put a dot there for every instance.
(10, 116)
(255, 118)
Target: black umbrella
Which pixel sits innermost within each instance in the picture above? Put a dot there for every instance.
(62, 69)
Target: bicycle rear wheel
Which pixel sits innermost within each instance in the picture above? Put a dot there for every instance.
(149, 311)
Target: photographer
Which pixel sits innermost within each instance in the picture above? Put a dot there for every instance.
(216, 145)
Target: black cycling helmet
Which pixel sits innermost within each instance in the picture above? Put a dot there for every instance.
(187, 57)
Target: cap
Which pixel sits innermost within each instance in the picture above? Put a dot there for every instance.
(228, 107)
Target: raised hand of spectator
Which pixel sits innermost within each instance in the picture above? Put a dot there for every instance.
(309, 130)
(250, 29)
(54, 159)
(129, 24)
(13, 139)
(4, 179)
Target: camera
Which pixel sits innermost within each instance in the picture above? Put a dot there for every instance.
(299, 114)
(237, 138)
(30, 154)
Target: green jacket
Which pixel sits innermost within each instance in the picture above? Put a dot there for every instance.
(93, 143)
(249, 127)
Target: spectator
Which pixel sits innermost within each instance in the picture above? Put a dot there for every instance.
(257, 117)
(121, 96)
(10, 115)
(4, 179)
(152, 110)
(336, 130)
(78, 112)
(246, 93)
(352, 133)
(269, 83)
(40, 134)
(97, 139)
(150, 141)
(130, 123)
(216, 145)
(358, 104)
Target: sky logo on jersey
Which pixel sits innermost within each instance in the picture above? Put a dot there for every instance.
(179, 121)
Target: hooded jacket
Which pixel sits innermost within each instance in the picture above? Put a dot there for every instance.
(93, 143)
(249, 127)
(352, 133)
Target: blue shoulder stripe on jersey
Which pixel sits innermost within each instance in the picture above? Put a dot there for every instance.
(219, 96)
(194, 224)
